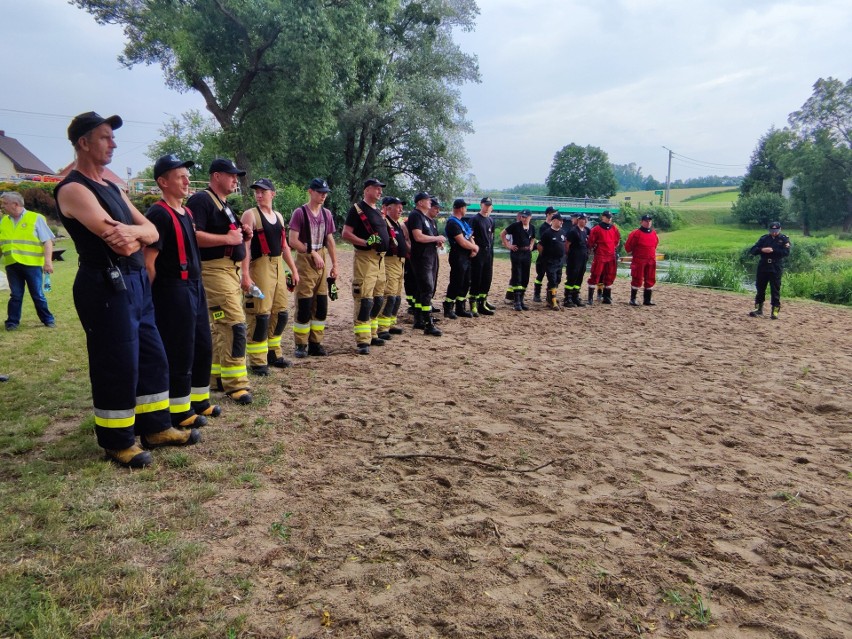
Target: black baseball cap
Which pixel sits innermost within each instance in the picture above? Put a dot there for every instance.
(556, 216)
(89, 120)
(775, 225)
(319, 185)
(373, 182)
(647, 217)
(581, 216)
(525, 213)
(423, 195)
(550, 209)
(434, 201)
(390, 199)
(166, 163)
(221, 165)
(606, 214)
(263, 183)
(459, 203)
(486, 200)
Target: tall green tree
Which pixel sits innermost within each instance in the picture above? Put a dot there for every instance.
(764, 173)
(820, 159)
(190, 136)
(579, 171)
(628, 176)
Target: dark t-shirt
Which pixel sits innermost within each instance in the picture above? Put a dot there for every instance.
(579, 250)
(167, 264)
(427, 226)
(553, 245)
(521, 237)
(453, 228)
(211, 218)
(483, 233)
(376, 223)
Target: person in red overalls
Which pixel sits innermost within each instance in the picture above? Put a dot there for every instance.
(642, 244)
(603, 241)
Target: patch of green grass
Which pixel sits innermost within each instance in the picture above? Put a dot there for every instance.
(281, 529)
(691, 606)
(728, 196)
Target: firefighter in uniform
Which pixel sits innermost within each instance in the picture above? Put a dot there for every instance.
(603, 241)
(365, 229)
(268, 251)
(576, 256)
(522, 236)
(425, 242)
(642, 245)
(180, 305)
(127, 363)
(395, 260)
(462, 250)
(552, 249)
(482, 264)
(772, 249)
(540, 268)
(225, 273)
(312, 237)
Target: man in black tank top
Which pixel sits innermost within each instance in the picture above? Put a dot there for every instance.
(127, 363)
(394, 266)
(268, 250)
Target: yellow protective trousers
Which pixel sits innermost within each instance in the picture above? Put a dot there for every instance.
(266, 318)
(221, 279)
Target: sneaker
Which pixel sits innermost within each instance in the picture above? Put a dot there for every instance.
(317, 350)
(193, 421)
(377, 341)
(363, 349)
(241, 397)
(260, 371)
(301, 351)
(133, 457)
(395, 330)
(171, 437)
(280, 362)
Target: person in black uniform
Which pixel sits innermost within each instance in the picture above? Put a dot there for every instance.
(522, 234)
(552, 249)
(425, 242)
(772, 249)
(462, 250)
(540, 268)
(482, 264)
(180, 305)
(575, 260)
(112, 294)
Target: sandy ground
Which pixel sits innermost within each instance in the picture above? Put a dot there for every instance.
(693, 457)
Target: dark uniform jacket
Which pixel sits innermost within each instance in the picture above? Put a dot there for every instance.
(780, 249)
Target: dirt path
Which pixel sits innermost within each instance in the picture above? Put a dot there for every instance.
(700, 459)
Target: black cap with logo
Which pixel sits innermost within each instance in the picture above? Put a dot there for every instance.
(85, 122)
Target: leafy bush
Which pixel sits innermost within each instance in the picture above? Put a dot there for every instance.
(678, 274)
(826, 284)
(804, 254)
(38, 196)
(724, 274)
(762, 208)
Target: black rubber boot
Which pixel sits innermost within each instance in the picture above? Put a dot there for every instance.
(646, 295)
(607, 296)
(461, 311)
(487, 305)
(518, 306)
(775, 311)
(591, 296)
(418, 320)
(536, 292)
(633, 293)
(429, 327)
(474, 308)
(448, 311)
(552, 304)
(510, 295)
(758, 310)
(524, 306)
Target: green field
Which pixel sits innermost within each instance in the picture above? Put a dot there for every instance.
(711, 195)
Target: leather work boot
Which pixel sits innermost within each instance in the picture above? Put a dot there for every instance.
(385, 335)
(377, 341)
(277, 362)
(552, 304)
(510, 296)
(395, 330)
(758, 310)
(260, 371)
(430, 328)
(214, 410)
(537, 293)
(646, 296)
(524, 306)
(461, 311)
(488, 305)
(484, 308)
(301, 351)
(171, 437)
(568, 302)
(448, 311)
(474, 309)
(316, 350)
(418, 320)
(775, 311)
(193, 421)
(633, 301)
(363, 349)
(241, 397)
(518, 306)
(133, 457)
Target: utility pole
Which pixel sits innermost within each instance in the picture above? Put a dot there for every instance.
(668, 175)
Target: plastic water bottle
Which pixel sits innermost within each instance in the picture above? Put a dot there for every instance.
(46, 283)
(254, 291)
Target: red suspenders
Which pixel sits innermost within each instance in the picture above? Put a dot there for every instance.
(181, 245)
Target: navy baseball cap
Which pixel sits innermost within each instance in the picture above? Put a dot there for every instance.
(373, 182)
(221, 165)
(647, 218)
(606, 214)
(263, 183)
(550, 209)
(459, 203)
(775, 225)
(434, 201)
(89, 120)
(581, 216)
(319, 185)
(526, 213)
(486, 200)
(390, 199)
(422, 196)
(556, 216)
(166, 163)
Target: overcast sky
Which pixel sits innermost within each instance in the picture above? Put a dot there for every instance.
(705, 78)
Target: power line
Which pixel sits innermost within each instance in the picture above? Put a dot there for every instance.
(68, 117)
(704, 162)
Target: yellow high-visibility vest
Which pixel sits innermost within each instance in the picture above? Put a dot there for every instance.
(19, 242)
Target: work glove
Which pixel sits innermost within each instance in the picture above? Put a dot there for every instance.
(374, 239)
(332, 288)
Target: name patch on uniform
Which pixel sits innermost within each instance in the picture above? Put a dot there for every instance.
(218, 315)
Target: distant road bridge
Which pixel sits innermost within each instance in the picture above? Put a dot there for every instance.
(510, 205)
